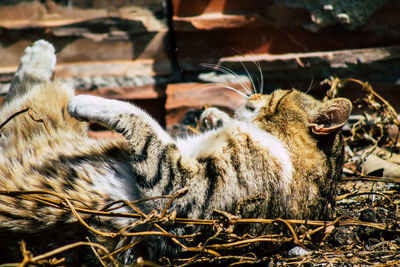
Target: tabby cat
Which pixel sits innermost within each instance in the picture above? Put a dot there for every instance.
(286, 147)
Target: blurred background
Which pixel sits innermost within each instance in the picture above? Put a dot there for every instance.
(164, 55)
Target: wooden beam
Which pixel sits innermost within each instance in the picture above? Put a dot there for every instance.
(333, 59)
(41, 15)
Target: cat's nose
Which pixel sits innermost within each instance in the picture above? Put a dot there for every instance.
(255, 97)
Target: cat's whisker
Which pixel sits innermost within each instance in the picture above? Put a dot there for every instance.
(254, 90)
(233, 89)
(253, 87)
(209, 86)
(261, 80)
(248, 90)
(227, 71)
(261, 89)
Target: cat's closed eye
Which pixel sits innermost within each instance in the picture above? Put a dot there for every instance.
(250, 107)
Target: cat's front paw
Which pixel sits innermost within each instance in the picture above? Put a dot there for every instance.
(38, 61)
(96, 109)
(213, 118)
(85, 107)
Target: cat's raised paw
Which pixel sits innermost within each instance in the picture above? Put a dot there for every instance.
(38, 61)
(84, 107)
(213, 118)
(96, 109)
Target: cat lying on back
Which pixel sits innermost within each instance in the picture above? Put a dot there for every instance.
(286, 147)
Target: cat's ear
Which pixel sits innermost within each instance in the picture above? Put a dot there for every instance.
(331, 116)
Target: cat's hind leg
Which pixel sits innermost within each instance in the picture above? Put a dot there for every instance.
(33, 92)
(36, 66)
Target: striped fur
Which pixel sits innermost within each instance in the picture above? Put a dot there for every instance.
(273, 147)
